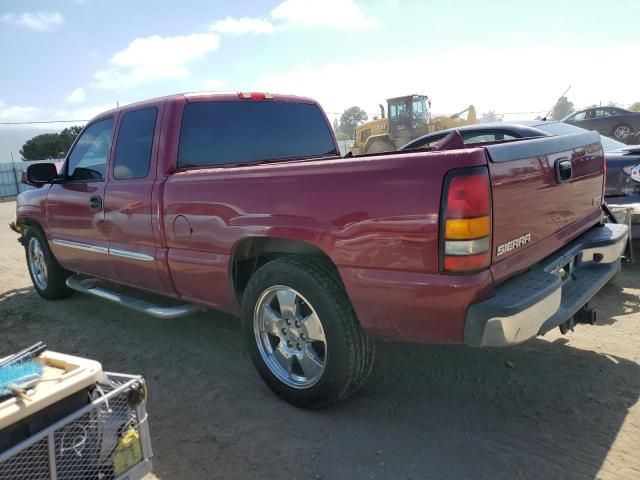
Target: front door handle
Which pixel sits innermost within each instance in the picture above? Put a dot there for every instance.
(564, 170)
(95, 203)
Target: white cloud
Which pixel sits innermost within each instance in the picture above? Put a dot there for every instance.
(242, 25)
(338, 14)
(155, 57)
(465, 76)
(39, 21)
(77, 96)
(17, 114)
(213, 84)
(83, 113)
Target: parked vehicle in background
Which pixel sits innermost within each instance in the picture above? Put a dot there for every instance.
(612, 122)
(623, 161)
(319, 253)
(408, 117)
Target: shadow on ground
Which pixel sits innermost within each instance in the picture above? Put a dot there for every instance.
(541, 410)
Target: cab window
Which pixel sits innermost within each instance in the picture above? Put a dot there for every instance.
(135, 141)
(398, 110)
(482, 137)
(579, 116)
(88, 159)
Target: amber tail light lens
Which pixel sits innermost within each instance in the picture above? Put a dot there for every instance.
(465, 226)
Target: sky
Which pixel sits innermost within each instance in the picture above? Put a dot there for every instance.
(69, 60)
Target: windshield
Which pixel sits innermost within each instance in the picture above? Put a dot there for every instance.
(419, 108)
(557, 128)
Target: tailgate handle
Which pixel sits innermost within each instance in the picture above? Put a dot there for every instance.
(564, 170)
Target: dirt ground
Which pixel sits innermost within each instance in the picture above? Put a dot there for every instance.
(556, 407)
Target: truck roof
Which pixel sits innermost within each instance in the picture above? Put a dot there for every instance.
(207, 96)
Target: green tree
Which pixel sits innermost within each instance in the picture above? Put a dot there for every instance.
(562, 108)
(350, 119)
(490, 116)
(635, 107)
(49, 145)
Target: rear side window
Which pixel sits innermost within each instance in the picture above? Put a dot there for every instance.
(219, 133)
(481, 137)
(134, 144)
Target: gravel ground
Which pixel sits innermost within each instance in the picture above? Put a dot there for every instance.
(555, 407)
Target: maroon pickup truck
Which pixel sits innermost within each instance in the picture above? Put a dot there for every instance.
(241, 202)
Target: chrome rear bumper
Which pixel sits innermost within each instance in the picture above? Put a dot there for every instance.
(550, 293)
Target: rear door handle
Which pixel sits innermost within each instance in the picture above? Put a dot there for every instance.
(564, 170)
(95, 203)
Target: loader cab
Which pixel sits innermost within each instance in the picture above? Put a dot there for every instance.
(409, 116)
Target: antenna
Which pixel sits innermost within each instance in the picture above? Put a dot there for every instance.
(554, 105)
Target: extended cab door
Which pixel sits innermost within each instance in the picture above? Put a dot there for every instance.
(130, 215)
(75, 210)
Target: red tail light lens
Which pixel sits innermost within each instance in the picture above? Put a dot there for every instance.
(465, 228)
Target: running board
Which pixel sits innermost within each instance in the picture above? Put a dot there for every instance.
(89, 285)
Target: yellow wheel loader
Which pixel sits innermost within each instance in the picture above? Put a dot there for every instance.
(409, 118)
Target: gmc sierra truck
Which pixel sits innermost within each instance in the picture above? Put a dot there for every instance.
(242, 203)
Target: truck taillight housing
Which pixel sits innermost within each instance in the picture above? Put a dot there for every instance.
(465, 221)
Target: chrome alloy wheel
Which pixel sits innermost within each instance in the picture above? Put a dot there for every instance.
(290, 337)
(622, 132)
(37, 263)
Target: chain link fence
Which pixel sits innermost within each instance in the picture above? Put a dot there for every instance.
(11, 177)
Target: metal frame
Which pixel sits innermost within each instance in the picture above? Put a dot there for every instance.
(136, 472)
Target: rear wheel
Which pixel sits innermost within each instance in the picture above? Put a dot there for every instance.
(302, 333)
(47, 275)
(622, 132)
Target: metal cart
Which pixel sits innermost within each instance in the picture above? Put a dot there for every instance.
(108, 439)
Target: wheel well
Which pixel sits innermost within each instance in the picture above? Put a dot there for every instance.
(252, 253)
(23, 223)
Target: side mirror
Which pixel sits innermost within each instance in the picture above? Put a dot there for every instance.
(40, 174)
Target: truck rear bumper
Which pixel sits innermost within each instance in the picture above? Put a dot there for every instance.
(550, 293)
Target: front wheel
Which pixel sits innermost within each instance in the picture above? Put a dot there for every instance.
(47, 275)
(303, 336)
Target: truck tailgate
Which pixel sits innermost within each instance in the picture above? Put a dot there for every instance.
(546, 192)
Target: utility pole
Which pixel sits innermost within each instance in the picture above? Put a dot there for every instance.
(15, 175)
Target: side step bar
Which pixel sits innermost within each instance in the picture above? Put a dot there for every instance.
(89, 285)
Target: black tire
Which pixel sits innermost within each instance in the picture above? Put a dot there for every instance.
(615, 132)
(379, 146)
(55, 286)
(350, 351)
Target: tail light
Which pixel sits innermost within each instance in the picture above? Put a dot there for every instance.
(465, 228)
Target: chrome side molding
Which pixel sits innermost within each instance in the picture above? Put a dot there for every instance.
(81, 246)
(89, 286)
(116, 252)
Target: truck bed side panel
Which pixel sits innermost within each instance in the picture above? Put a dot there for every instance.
(368, 213)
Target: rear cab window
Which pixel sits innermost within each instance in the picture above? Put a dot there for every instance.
(216, 133)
